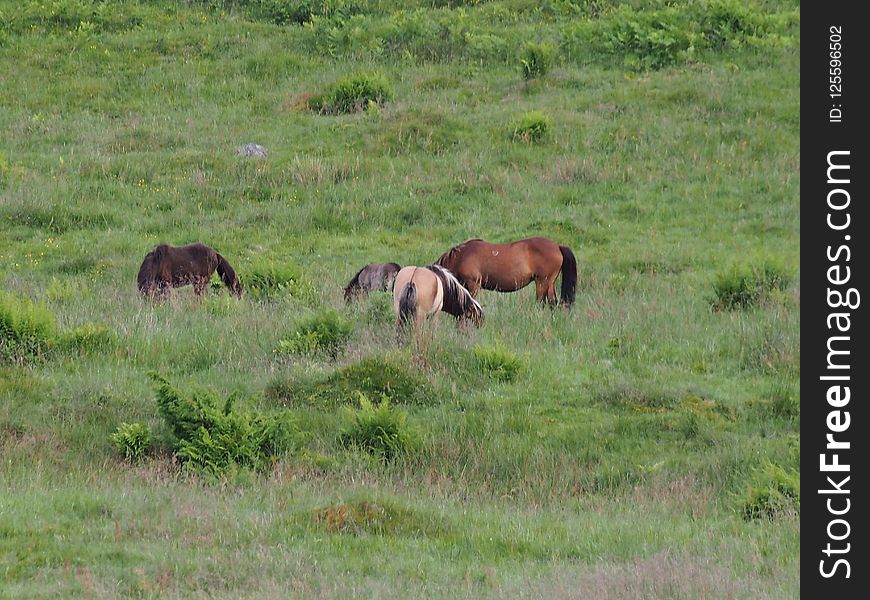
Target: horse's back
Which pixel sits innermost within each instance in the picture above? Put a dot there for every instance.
(195, 250)
(505, 267)
(180, 265)
(543, 247)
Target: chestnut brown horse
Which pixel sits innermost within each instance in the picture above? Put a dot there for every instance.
(375, 276)
(420, 293)
(510, 267)
(168, 267)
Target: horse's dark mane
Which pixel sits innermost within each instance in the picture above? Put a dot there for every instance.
(228, 275)
(458, 301)
(354, 283)
(445, 258)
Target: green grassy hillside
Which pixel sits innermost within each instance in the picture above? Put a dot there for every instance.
(642, 445)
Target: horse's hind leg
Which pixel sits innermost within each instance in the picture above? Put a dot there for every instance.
(545, 290)
(541, 290)
(199, 286)
(551, 291)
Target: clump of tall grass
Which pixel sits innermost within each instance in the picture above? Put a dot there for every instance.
(90, 338)
(498, 362)
(379, 430)
(531, 128)
(780, 401)
(27, 330)
(323, 333)
(379, 309)
(355, 94)
(212, 437)
(536, 59)
(744, 287)
(267, 279)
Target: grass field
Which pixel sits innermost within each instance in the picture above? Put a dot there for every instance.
(643, 445)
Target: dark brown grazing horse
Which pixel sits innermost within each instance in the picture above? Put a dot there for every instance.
(510, 267)
(375, 276)
(168, 267)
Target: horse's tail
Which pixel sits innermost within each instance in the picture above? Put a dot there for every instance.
(228, 275)
(352, 286)
(407, 304)
(569, 276)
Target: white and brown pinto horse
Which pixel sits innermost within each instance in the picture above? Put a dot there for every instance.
(420, 293)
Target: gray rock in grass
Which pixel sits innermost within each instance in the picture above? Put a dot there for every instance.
(255, 150)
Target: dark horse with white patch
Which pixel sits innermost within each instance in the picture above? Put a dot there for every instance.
(168, 267)
(373, 277)
(510, 267)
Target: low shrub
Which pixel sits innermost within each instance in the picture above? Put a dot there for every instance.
(726, 23)
(636, 39)
(26, 329)
(373, 376)
(267, 279)
(536, 60)
(213, 436)
(498, 362)
(645, 39)
(773, 491)
(325, 332)
(132, 439)
(744, 287)
(290, 12)
(379, 430)
(532, 127)
(650, 40)
(355, 94)
(383, 377)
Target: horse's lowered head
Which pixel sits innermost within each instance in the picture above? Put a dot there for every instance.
(458, 301)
